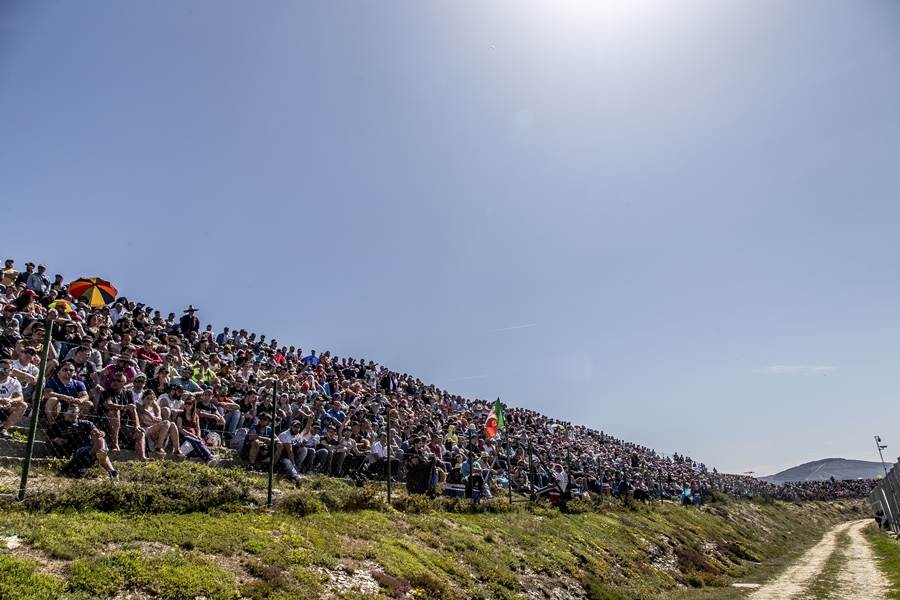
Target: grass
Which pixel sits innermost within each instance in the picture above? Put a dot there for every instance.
(887, 552)
(328, 530)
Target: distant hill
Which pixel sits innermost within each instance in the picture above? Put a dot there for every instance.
(820, 470)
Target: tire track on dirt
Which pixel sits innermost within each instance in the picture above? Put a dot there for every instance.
(798, 577)
(860, 578)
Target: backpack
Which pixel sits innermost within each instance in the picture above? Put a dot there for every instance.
(237, 440)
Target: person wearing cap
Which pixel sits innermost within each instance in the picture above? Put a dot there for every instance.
(185, 380)
(25, 369)
(22, 278)
(307, 453)
(58, 285)
(256, 443)
(38, 282)
(115, 405)
(9, 273)
(378, 457)
(81, 441)
(8, 320)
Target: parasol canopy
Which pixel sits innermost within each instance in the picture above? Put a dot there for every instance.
(93, 290)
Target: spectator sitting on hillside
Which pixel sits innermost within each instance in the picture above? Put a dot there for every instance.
(560, 482)
(12, 404)
(115, 405)
(256, 447)
(79, 439)
(155, 429)
(188, 422)
(62, 391)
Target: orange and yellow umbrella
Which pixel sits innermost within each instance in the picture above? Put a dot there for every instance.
(93, 290)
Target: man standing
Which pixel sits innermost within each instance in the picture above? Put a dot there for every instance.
(223, 337)
(9, 273)
(12, 405)
(38, 282)
(189, 322)
(24, 275)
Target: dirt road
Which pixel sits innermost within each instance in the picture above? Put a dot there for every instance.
(841, 566)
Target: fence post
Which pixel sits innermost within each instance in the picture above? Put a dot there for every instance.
(509, 467)
(272, 442)
(35, 409)
(531, 473)
(388, 470)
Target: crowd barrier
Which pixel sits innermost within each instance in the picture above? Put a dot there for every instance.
(885, 499)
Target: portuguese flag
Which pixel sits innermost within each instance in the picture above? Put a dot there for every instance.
(494, 420)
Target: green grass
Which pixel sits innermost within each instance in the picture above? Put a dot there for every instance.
(440, 549)
(887, 552)
(19, 581)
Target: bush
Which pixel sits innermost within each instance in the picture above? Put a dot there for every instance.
(160, 487)
(326, 493)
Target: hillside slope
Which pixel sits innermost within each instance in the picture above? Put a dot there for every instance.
(822, 470)
(159, 537)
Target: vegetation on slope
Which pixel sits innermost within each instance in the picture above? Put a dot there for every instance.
(160, 533)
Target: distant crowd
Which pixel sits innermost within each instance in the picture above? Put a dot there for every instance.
(123, 375)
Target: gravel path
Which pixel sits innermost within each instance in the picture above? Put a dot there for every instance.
(856, 576)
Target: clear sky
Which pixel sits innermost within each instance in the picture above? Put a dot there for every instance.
(676, 222)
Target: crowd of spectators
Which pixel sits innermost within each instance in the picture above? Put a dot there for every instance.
(125, 375)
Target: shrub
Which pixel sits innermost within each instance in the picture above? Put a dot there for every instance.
(395, 588)
(160, 487)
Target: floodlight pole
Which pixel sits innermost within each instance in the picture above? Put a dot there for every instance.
(880, 448)
(886, 480)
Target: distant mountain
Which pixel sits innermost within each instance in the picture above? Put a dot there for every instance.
(820, 470)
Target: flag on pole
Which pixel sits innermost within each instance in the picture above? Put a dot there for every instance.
(494, 420)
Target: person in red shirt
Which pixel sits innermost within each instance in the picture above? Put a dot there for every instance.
(147, 355)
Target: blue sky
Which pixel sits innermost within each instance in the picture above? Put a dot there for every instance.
(692, 206)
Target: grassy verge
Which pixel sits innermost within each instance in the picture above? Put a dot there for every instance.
(887, 552)
(160, 532)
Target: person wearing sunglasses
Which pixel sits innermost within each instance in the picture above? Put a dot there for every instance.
(25, 368)
(63, 390)
(12, 404)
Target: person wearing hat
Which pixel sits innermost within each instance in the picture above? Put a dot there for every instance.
(38, 282)
(24, 275)
(8, 321)
(81, 441)
(189, 322)
(9, 273)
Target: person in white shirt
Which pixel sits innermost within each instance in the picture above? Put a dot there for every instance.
(12, 404)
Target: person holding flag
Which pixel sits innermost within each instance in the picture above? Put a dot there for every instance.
(494, 420)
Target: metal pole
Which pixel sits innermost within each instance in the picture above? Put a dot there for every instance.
(509, 471)
(388, 471)
(531, 473)
(880, 448)
(36, 408)
(272, 442)
(471, 487)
